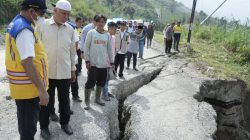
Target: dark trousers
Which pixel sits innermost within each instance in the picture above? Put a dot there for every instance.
(27, 115)
(176, 41)
(63, 98)
(149, 41)
(119, 61)
(168, 45)
(129, 55)
(96, 76)
(75, 86)
(79, 65)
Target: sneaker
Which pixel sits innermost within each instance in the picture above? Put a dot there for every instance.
(122, 77)
(54, 117)
(111, 95)
(127, 68)
(45, 134)
(135, 69)
(76, 99)
(106, 98)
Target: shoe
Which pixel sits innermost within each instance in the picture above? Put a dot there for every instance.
(45, 134)
(110, 95)
(87, 98)
(71, 112)
(67, 129)
(106, 98)
(122, 77)
(135, 69)
(54, 117)
(76, 99)
(98, 92)
(127, 68)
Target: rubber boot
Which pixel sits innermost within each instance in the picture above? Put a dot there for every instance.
(98, 92)
(87, 98)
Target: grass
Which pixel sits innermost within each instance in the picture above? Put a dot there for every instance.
(214, 56)
(158, 37)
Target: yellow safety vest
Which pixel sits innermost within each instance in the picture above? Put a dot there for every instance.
(177, 29)
(21, 87)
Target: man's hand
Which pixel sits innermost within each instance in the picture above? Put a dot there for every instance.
(73, 76)
(88, 66)
(44, 97)
(112, 65)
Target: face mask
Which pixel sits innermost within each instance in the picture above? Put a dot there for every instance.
(40, 20)
(33, 20)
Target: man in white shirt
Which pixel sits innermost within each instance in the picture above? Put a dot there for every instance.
(59, 41)
(122, 37)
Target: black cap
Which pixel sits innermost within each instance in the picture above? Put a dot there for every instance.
(123, 23)
(38, 4)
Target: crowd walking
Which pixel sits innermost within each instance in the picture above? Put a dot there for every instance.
(46, 56)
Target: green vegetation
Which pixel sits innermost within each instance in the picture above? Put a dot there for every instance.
(219, 52)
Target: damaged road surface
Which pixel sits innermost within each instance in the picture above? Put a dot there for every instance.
(165, 108)
(155, 102)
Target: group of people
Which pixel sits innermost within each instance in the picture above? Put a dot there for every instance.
(41, 57)
(172, 33)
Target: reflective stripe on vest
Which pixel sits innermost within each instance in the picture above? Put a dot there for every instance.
(20, 82)
(44, 72)
(17, 74)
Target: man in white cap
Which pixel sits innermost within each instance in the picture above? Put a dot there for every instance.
(59, 42)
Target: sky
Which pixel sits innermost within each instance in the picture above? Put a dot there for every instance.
(237, 9)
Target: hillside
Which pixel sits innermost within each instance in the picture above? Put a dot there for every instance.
(156, 10)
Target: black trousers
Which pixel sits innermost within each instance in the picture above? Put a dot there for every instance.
(176, 41)
(119, 61)
(168, 45)
(129, 55)
(79, 65)
(27, 115)
(149, 41)
(63, 98)
(75, 86)
(96, 76)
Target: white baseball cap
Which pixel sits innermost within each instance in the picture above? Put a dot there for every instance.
(64, 5)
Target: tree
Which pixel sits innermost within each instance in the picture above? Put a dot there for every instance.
(130, 11)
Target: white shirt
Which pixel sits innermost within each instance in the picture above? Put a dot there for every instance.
(59, 44)
(25, 42)
(122, 34)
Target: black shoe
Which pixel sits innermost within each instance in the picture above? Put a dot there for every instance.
(122, 77)
(76, 99)
(54, 117)
(110, 95)
(135, 69)
(67, 129)
(71, 112)
(45, 134)
(127, 68)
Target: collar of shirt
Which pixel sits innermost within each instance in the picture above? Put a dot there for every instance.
(52, 21)
(122, 34)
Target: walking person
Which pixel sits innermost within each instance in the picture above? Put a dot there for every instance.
(133, 46)
(74, 85)
(112, 29)
(78, 28)
(150, 35)
(142, 40)
(27, 67)
(169, 38)
(59, 41)
(85, 31)
(177, 35)
(98, 57)
(122, 37)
